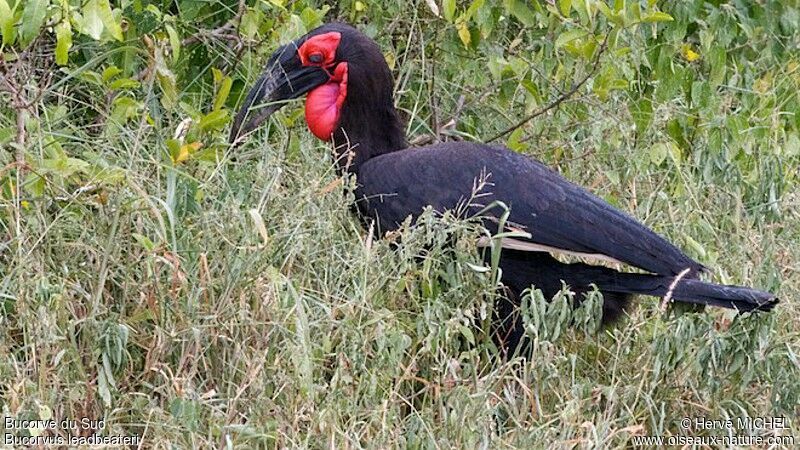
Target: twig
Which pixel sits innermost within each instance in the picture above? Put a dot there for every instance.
(563, 97)
(435, 126)
(668, 297)
(14, 80)
(21, 113)
(222, 32)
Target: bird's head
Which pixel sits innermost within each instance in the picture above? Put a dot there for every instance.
(340, 69)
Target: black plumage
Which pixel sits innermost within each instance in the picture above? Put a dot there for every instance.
(555, 212)
(395, 182)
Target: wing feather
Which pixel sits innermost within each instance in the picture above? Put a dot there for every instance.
(557, 214)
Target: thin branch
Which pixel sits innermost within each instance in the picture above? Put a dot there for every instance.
(563, 97)
(223, 32)
(435, 125)
(21, 116)
(16, 80)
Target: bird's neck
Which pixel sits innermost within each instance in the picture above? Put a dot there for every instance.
(368, 127)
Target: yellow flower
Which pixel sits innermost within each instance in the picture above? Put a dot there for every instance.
(186, 151)
(688, 53)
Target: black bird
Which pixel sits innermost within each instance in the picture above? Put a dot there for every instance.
(350, 103)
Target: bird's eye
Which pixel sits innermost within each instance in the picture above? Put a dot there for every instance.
(315, 58)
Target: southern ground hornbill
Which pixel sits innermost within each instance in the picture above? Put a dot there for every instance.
(350, 103)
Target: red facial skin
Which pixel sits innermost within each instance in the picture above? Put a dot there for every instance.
(324, 103)
(323, 44)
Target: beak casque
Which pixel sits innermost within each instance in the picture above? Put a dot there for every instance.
(285, 78)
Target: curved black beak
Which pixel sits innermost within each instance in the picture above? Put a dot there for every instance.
(285, 78)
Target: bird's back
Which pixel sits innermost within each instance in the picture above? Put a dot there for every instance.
(558, 214)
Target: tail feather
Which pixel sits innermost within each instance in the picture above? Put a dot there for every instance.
(689, 291)
(522, 269)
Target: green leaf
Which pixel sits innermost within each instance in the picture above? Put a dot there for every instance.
(91, 76)
(186, 412)
(144, 241)
(698, 249)
(657, 16)
(214, 120)
(613, 16)
(110, 72)
(473, 8)
(675, 154)
(65, 167)
(643, 115)
(217, 74)
(717, 59)
(35, 184)
(467, 333)
(89, 22)
(223, 92)
(658, 153)
(565, 6)
(33, 17)
(530, 86)
(463, 34)
(166, 81)
(569, 36)
(107, 16)
(618, 83)
(7, 23)
(174, 42)
(97, 15)
(515, 141)
(521, 11)
(109, 371)
(661, 150)
(63, 42)
(251, 21)
(174, 148)
(449, 7)
(311, 17)
(588, 48)
(124, 108)
(792, 145)
(103, 386)
(168, 87)
(124, 83)
(7, 134)
(208, 154)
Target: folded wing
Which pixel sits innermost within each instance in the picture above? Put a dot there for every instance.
(558, 215)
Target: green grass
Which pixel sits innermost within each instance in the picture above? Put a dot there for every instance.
(234, 300)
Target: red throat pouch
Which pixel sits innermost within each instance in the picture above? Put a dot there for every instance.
(324, 104)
